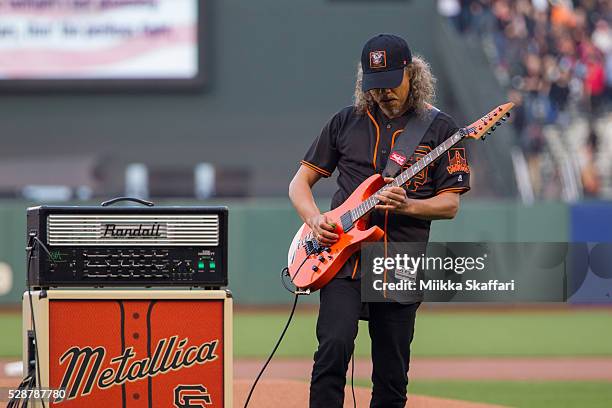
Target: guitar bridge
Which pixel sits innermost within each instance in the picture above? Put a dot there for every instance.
(312, 246)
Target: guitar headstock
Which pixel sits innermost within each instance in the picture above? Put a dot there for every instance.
(489, 122)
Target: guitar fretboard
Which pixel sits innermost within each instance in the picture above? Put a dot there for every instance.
(367, 205)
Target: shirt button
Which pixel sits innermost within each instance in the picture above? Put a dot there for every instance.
(389, 126)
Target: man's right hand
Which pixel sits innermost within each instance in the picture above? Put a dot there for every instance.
(323, 229)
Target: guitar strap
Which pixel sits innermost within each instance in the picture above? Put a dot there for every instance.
(409, 139)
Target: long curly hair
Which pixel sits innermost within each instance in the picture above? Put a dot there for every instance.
(422, 88)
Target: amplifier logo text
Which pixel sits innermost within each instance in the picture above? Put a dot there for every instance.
(169, 355)
(133, 230)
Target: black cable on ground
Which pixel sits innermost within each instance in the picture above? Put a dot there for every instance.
(25, 385)
(296, 293)
(280, 339)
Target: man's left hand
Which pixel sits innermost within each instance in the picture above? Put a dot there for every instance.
(392, 198)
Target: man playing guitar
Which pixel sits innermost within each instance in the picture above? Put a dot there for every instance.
(392, 86)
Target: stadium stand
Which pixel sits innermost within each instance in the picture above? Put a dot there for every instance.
(555, 59)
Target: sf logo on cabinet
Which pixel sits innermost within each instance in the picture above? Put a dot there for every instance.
(191, 396)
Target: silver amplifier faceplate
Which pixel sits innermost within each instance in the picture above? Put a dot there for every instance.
(130, 230)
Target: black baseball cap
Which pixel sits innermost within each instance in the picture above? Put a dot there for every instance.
(383, 60)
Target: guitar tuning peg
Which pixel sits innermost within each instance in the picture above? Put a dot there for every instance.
(507, 114)
(498, 124)
(489, 132)
(492, 129)
(503, 118)
(483, 137)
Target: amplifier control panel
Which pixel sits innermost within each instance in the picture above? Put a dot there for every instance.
(146, 265)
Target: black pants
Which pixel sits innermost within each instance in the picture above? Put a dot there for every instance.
(391, 327)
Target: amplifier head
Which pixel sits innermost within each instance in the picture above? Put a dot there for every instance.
(130, 245)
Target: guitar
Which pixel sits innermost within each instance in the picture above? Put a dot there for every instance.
(312, 265)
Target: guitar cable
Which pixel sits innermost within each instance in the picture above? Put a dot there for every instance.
(29, 284)
(353, 379)
(30, 382)
(297, 294)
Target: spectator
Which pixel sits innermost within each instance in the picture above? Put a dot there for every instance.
(556, 56)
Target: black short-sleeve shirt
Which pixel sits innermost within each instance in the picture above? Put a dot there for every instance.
(358, 146)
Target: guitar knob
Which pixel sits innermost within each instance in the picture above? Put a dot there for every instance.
(315, 268)
(321, 258)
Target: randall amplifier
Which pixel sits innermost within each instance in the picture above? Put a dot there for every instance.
(127, 246)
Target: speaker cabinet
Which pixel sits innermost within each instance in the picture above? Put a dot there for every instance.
(132, 348)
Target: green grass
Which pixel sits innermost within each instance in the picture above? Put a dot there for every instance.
(10, 335)
(454, 334)
(521, 394)
(438, 334)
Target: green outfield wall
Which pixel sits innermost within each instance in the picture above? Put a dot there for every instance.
(260, 232)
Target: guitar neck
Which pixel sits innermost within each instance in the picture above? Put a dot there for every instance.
(369, 204)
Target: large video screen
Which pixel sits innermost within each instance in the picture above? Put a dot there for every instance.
(90, 43)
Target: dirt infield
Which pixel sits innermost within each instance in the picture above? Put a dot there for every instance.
(294, 394)
(513, 369)
(285, 382)
(283, 393)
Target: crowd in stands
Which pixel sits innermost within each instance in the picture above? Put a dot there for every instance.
(554, 57)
